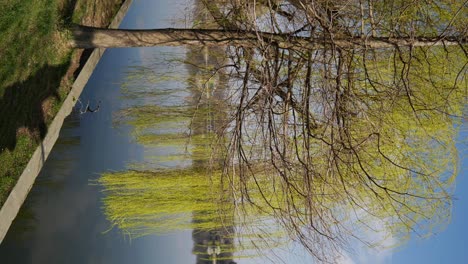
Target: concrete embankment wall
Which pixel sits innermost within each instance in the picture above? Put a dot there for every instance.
(25, 182)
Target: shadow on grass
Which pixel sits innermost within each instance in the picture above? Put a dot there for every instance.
(26, 107)
(68, 10)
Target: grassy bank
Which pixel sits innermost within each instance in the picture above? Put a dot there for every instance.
(37, 72)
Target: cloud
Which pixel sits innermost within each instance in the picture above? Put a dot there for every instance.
(344, 258)
(382, 241)
(374, 241)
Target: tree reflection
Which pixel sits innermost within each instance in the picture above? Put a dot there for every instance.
(328, 144)
(207, 94)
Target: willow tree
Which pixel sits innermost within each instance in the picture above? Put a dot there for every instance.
(338, 115)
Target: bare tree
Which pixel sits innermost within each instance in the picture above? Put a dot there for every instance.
(341, 112)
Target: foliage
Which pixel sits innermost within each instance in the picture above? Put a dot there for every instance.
(331, 141)
(141, 203)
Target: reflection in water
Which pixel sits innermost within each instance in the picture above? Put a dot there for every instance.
(185, 128)
(142, 203)
(26, 221)
(216, 243)
(322, 147)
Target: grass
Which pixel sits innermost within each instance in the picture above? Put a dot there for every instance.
(30, 39)
(37, 72)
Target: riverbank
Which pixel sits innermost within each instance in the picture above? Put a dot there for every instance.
(37, 73)
(36, 130)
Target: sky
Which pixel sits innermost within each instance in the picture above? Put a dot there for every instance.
(451, 245)
(448, 246)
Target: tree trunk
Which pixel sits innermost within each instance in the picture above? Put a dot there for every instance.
(89, 37)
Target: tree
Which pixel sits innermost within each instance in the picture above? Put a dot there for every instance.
(337, 114)
(309, 25)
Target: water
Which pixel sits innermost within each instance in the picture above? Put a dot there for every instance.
(62, 220)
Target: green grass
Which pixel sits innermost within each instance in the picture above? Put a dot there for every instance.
(34, 59)
(33, 76)
(13, 163)
(30, 40)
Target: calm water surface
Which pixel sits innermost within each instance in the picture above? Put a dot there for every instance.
(62, 219)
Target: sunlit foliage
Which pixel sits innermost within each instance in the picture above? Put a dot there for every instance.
(329, 144)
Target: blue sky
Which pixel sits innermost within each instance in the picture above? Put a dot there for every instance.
(449, 246)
